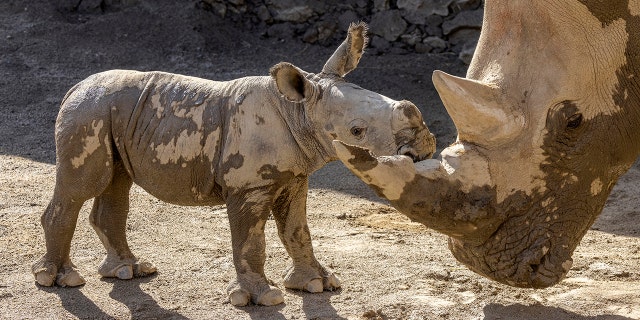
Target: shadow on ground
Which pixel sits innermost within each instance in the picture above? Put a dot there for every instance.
(518, 311)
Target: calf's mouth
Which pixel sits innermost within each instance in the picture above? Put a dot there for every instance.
(411, 152)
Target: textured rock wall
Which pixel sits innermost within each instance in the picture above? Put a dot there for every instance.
(92, 6)
(395, 25)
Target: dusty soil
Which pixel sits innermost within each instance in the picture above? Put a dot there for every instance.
(390, 268)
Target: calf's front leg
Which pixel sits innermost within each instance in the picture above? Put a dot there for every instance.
(289, 211)
(248, 212)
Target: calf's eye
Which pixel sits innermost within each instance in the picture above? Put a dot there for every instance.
(357, 131)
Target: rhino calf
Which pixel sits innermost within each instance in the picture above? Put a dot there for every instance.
(250, 143)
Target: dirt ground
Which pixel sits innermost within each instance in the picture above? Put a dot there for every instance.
(390, 268)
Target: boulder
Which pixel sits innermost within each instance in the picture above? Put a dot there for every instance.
(416, 11)
(433, 25)
(295, 14)
(388, 24)
(464, 19)
(434, 44)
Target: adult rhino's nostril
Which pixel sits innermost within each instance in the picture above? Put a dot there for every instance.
(534, 268)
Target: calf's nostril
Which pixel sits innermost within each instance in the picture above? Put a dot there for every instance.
(412, 155)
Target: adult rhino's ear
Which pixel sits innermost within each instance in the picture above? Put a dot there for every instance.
(291, 82)
(348, 54)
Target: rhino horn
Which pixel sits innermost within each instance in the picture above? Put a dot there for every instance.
(480, 111)
(348, 54)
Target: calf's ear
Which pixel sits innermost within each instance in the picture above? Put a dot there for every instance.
(348, 54)
(291, 82)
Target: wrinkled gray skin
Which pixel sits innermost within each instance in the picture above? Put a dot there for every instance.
(250, 143)
(548, 118)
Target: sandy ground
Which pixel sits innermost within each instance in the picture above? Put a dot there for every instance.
(390, 268)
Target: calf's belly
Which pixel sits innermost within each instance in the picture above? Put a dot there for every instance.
(190, 185)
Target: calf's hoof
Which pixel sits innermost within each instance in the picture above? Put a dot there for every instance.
(331, 282)
(271, 297)
(240, 297)
(47, 274)
(45, 279)
(44, 272)
(125, 270)
(310, 280)
(70, 278)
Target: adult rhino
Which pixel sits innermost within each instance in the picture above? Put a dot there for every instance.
(250, 143)
(548, 118)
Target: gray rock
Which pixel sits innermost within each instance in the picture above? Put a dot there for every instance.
(326, 29)
(280, 31)
(433, 25)
(216, 7)
(388, 24)
(320, 32)
(466, 54)
(461, 5)
(93, 6)
(412, 38)
(360, 3)
(237, 10)
(464, 19)
(380, 43)
(434, 44)
(310, 36)
(263, 13)
(346, 18)
(295, 14)
(463, 38)
(290, 10)
(380, 5)
(90, 6)
(416, 11)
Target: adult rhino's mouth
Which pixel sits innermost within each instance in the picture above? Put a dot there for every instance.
(537, 265)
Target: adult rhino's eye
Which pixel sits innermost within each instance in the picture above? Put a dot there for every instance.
(357, 131)
(574, 121)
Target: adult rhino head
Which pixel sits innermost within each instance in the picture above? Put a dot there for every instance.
(548, 118)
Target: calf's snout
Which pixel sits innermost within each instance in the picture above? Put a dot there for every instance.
(412, 137)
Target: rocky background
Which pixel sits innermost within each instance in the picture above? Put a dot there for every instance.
(396, 26)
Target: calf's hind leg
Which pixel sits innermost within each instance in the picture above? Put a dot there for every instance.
(109, 219)
(59, 223)
(75, 184)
